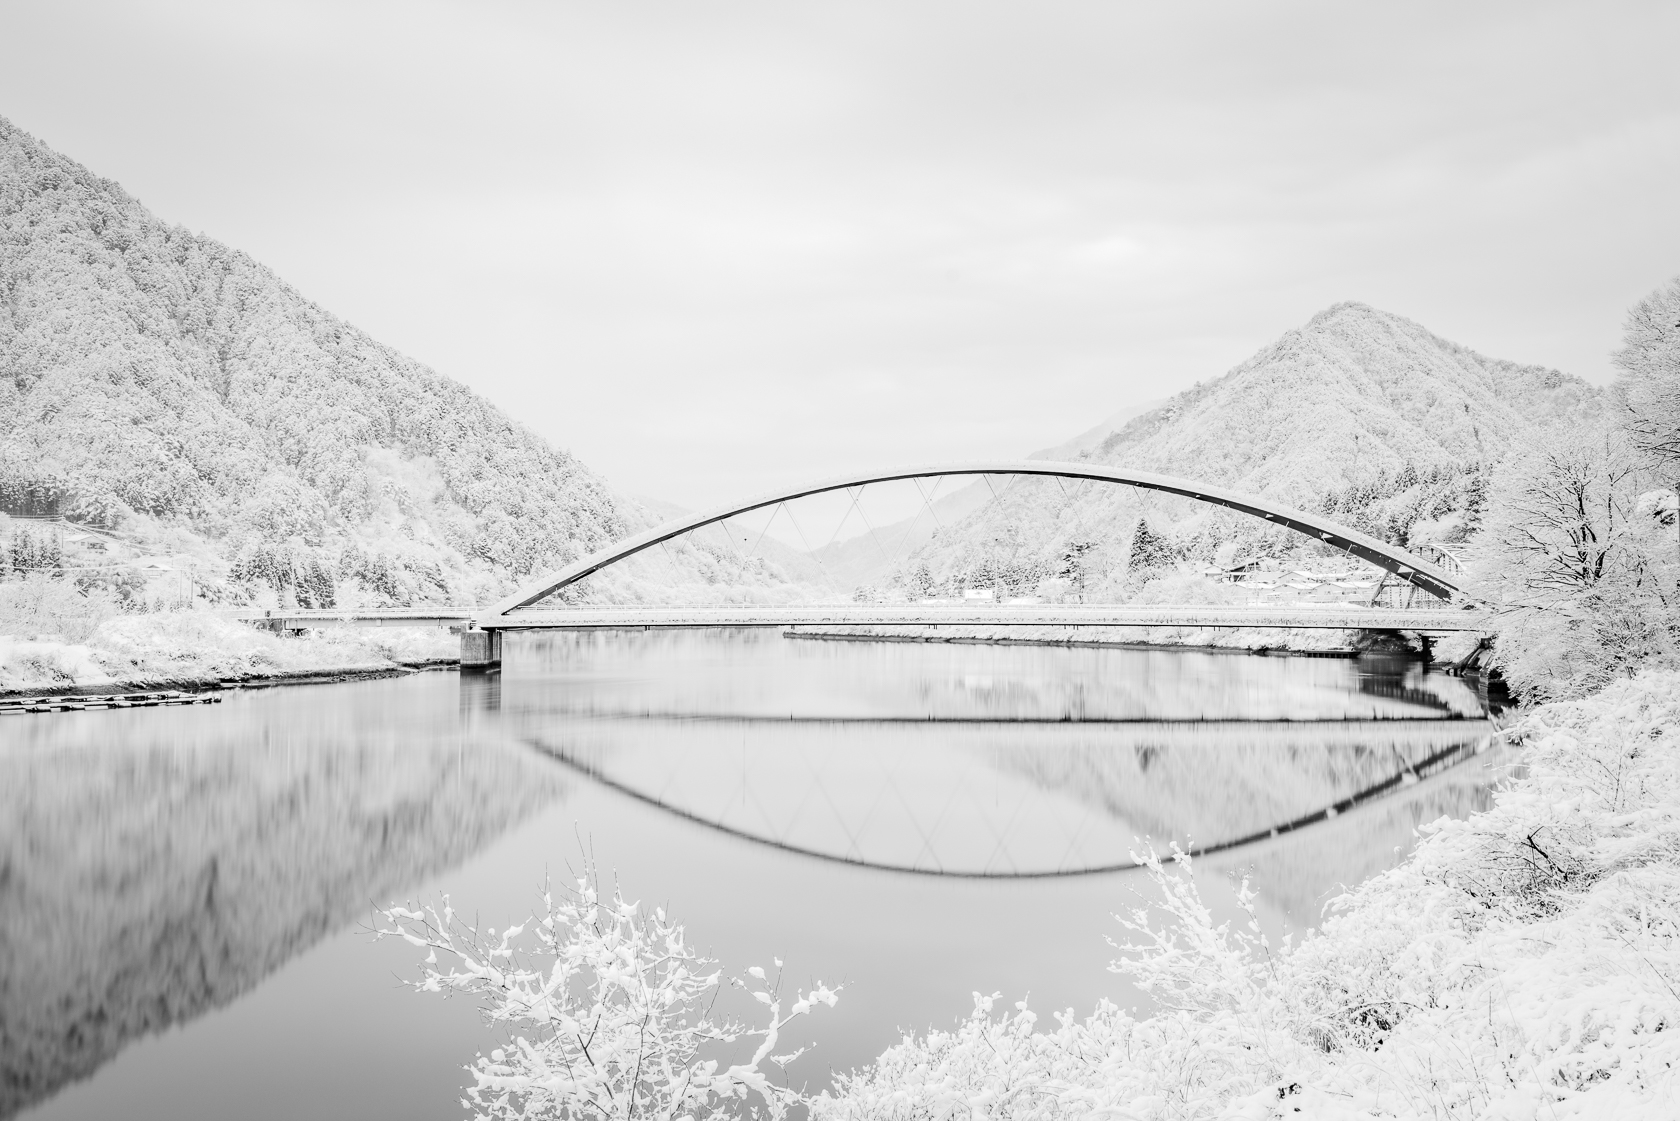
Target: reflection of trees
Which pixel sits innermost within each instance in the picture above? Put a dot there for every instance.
(1213, 783)
(1206, 785)
(1299, 872)
(154, 869)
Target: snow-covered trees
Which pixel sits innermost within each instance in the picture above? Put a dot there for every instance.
(1649, 388)
(29, 550)
(610, 1013)
(1578, 548)
(1571, 556)
(148, 369)
(1150, 552)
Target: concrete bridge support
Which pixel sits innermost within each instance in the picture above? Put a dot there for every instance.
(481, 650)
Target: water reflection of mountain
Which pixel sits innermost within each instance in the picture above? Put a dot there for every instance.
(155, 865)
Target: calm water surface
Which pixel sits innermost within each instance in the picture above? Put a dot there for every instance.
(184, 893)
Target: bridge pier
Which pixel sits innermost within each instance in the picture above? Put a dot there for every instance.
(481, 650)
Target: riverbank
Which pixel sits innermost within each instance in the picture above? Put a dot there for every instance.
(199, 650)
(1521, 963)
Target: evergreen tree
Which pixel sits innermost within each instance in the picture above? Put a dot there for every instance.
(1150, 552)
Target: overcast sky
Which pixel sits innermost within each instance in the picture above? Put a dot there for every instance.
(711, 246)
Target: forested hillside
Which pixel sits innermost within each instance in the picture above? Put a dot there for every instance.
(154, 379)
(1359, 414)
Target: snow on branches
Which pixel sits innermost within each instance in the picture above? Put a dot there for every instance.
(609, 1010)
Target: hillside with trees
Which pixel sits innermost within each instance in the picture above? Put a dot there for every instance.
(160, 384)
(1360, 414)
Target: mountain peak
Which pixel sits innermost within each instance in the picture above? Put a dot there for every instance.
(1354, 392)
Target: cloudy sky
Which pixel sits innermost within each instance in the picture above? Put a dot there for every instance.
(712, 246)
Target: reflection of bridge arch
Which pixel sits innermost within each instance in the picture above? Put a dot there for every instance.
(1439, 748)
(1393, 559)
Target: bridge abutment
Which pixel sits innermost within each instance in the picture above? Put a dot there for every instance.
(481, 650)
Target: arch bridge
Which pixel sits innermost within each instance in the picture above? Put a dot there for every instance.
(520, 611)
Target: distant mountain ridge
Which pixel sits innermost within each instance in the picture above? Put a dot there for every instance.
(1096, 434)
(1360, 414)
(150, 369)
(1354, 392)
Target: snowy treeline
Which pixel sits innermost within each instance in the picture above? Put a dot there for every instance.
(154, 377)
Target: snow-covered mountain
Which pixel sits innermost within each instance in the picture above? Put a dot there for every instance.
(1362, 414)
(1355, 393)
(153, 378)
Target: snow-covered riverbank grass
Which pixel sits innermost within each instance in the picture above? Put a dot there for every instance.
(1524, 963)
(183, 647)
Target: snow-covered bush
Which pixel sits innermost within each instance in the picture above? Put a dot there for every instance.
(1524, 963)
(609, 1012)
(44, 605)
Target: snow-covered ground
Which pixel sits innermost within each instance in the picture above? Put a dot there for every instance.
(1523, 963)
(201, 646)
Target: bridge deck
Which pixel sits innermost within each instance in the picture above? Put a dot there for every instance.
(1328, 617)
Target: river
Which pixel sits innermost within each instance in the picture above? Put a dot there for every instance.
(185, 893)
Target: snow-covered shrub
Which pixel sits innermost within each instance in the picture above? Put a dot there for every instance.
(1524, 963)
(609, 1012)
(28, 664)
(45, 605)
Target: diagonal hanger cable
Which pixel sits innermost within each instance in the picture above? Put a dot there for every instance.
(857, 505)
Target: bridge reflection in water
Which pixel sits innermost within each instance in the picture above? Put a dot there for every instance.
(1004, 762)
(919, 820)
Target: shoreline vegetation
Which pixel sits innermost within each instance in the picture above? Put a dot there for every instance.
(195, 650)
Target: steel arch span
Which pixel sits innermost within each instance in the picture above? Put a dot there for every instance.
(1395, 560)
